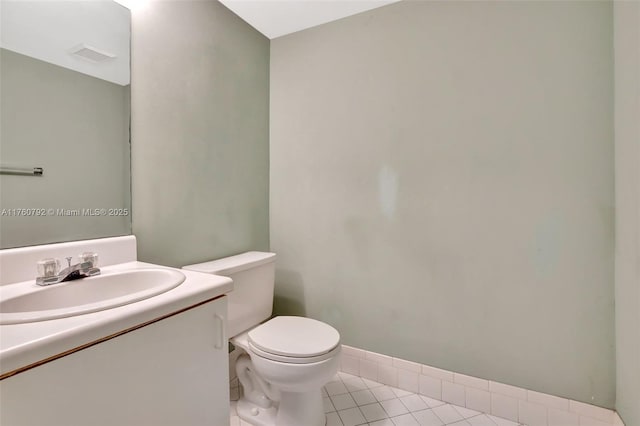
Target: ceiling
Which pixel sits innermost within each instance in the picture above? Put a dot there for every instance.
(51, 30)
(275, 18)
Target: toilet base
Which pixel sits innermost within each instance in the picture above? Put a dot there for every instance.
(296, 409)
(256, 415)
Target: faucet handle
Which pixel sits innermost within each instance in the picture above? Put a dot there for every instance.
(89, 256)
(69, 261)
(48, 267)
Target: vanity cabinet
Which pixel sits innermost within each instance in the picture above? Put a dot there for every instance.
(173, 372)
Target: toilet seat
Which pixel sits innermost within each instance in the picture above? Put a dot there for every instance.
(295, 340)
(293, 360)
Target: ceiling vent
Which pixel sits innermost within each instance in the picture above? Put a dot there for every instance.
(90, 53)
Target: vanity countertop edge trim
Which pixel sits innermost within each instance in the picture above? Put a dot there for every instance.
(101, 340)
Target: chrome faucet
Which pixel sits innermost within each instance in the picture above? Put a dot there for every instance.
(49, 269)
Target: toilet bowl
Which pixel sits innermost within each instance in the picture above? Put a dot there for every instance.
(287, 359)
(291, 358)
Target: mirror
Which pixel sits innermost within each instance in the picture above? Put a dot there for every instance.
(64, 108)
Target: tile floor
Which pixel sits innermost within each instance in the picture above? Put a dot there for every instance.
(350, 400)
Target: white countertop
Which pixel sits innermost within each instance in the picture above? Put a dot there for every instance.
(25, 344)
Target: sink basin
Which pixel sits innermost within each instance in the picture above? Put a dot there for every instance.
(92, 294)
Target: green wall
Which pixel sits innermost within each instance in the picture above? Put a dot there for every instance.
(442, 187)
(627, 162)
(200, 132)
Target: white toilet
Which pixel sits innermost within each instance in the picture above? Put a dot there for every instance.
(289, 359)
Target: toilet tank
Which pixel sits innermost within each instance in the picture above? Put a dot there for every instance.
(253, 275)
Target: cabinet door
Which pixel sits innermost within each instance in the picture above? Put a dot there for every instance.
(172, 372)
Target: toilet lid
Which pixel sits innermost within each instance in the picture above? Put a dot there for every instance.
(296, 337)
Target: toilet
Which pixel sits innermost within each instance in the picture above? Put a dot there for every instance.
(288, 359)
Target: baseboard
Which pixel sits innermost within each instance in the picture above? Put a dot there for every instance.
(486, 396)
